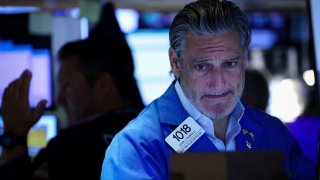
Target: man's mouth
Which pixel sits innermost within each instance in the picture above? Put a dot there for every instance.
(217, 96)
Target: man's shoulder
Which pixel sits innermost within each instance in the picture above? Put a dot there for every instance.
(261, 117)
(156, 119)
(146, 128)
(148, 119)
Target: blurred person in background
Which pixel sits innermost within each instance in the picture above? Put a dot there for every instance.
(99, 94)
(256, 89)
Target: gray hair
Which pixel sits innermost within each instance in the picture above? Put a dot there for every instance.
(209, 17)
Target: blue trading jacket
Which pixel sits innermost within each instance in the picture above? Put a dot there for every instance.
(139, 151)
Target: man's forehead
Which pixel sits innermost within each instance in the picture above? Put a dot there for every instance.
(222, 42)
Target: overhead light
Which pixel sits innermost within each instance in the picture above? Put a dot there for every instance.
(17, 9)
(308, 77)
(128, 19)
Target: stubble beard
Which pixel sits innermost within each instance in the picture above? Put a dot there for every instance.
(216, 114)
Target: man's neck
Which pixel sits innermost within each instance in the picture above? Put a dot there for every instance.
(220, 128)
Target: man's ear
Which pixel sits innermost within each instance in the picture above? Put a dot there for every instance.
(174, 63)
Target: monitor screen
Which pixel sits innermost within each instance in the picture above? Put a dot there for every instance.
(14, 59)
(44, 130)
(41, 82)
(263, 39)
(150, 53)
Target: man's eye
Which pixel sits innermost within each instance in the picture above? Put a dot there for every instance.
(231, 64)
(201, 67)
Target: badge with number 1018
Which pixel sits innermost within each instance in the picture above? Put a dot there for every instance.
(180, 133)
(188, 132)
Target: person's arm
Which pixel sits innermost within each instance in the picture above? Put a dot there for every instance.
(133, 154)
(18, 117)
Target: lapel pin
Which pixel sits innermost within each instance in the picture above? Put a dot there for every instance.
(251, 135)
(244, 131)
(248, 144)
(248, 132)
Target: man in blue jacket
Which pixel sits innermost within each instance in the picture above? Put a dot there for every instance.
(201, 110)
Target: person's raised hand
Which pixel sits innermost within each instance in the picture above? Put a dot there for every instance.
(18, 117)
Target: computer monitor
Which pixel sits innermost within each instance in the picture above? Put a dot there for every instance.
(41, 83)
(14, 59)
(150, 54)
(242, 165)
(263, 39)
(44, 130)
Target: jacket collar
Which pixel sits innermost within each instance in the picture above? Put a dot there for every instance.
(171, 110)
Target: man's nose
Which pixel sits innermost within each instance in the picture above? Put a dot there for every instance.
(217, 78)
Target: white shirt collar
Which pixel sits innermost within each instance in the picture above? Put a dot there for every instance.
(207, 124)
